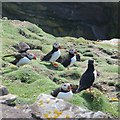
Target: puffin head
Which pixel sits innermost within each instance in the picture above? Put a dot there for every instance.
(90, 61)
(56, 45)
(31, 56)
(72, 51)
(66, 86)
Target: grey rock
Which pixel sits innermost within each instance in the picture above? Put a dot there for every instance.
(47, 106)
(7, 99)
(13, 112)
(3, 90)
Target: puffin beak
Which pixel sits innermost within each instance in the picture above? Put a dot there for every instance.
(69, 88)
(35, 57)
(60, 47)
(76, 52)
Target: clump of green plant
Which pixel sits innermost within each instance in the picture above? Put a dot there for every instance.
(98, 101)
(72, 74)
(24, 74)
(117, 85)
(107, 51)
(89, 54)
(111, 83)
(59, 80)
(109, 61)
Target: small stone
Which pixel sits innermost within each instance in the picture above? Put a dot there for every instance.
(3, 90)
(7, 99)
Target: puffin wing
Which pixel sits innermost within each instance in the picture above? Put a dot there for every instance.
(17, 58)
(86, 81)
(60, 59)
(78, 57)
(66, 62)
(55, 92)
(48, 56)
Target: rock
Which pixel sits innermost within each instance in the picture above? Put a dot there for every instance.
(47, 106)
(7, 99)
(3, 90)
(12, 112)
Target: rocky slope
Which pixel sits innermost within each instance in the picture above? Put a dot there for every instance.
(89, 20)
(29, 81)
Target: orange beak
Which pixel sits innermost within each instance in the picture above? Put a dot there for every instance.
(35, 57)
(76, 52)
(61, 47)
(69, 88)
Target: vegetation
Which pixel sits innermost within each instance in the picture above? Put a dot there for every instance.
(29, 81)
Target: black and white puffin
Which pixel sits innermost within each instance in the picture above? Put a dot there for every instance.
(71, 58)
(63, 92)
(23, 47)
(88, 77)
(21, 58)
(53, 55)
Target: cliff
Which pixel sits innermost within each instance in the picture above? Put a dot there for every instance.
(89, 20)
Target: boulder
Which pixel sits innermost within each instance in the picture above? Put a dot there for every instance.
(13, 112)
(47, 106)
(3, 90)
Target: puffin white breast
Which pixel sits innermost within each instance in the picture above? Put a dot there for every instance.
(73, 60)
(65, 96)
(95, 74)
(55, 56)
(23, 61)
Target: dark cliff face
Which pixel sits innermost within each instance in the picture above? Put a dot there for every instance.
(88, 20)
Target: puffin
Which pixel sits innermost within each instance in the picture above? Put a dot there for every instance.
(21, 58)
(63, 92)
(71, 58)
(87, 78)
(53, 55)
(23, 47)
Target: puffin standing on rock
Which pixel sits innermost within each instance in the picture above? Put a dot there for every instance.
(87, 78)
(53, 55)
(71, 58)
(63, 92)
(21, 58)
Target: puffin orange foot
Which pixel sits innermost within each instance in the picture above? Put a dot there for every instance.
(89, 90)
(55, 64)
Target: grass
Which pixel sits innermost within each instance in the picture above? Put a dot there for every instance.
(39, 77)
(97, 101)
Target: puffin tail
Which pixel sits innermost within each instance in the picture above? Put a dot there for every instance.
(79, 90)
(3, 58)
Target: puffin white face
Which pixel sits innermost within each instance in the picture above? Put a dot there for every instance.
(56, 45)
(31, 56)
(72, 51)
(66, 86)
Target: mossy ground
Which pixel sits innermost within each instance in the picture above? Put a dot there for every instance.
(29, 81)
